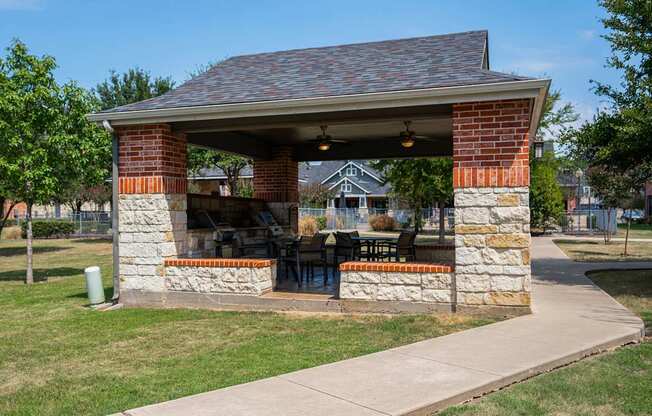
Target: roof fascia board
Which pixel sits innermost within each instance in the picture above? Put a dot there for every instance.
(357, 165)
(345, 179)
(405, 98)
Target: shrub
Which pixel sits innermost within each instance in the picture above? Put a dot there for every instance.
(48, 229)
(10, 233)
(382, 222)
(308, 226)
(321, 222)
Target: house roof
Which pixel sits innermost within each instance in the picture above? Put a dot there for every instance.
(458, 59)
(322, 171)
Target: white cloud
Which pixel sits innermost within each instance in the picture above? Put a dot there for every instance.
(587, 34)
(21, 4)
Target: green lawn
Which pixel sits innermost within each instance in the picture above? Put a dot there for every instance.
(59, 357)
(636, 231)
(597, 250)
(612, 384)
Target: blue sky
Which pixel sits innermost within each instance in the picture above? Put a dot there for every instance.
(556, 39)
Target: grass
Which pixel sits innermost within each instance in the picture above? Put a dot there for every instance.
(636, 231)
(632, 288)
(598, 251)
(59, 357)
(613, 384)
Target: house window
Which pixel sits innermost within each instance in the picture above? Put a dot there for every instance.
(346, 187)
(351, 171)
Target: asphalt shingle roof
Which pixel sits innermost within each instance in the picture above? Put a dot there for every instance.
(394, 65)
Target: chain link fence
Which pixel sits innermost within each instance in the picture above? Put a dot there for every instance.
(85, 223)
(588, 221)
(358, 218)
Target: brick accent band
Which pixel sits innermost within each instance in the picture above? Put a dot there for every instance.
(152, 185)
(245, 263)
(485, 177)
(436, 246)
(362, 266)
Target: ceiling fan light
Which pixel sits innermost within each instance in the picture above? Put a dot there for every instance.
(407, 142)
(324, 146)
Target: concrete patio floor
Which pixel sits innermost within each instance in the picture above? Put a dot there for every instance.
(571, 319)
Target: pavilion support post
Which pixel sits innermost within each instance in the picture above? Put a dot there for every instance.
(152, 203)
(492, 216)
(276, 181)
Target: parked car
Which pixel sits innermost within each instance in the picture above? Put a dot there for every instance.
(633, 214)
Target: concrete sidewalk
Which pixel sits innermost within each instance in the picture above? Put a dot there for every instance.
(572, 319)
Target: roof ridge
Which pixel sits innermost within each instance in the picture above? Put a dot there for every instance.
(444, 35)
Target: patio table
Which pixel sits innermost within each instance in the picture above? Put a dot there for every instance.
(372, 244)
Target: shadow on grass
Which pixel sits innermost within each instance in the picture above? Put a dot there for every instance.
(22, 250)
(97, 240)
(108, 294)
(579, 242)
(40, 274)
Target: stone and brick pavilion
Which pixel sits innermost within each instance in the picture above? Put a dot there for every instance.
(269, 107)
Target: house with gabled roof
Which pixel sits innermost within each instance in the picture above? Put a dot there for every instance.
(356, 180)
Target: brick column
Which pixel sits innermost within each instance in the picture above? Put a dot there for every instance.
(492, 216)
(152, 203)
(276, 181)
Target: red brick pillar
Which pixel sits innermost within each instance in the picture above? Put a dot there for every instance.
(152, 203)
(492, 217)
(276, 181)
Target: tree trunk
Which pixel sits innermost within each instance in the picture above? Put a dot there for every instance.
(442, 222)
(29, 276)
(78, 206)
(416, 220)
(5, 215)
(629, 223)
(233, 186)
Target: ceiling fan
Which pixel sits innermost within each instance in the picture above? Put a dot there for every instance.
(409, 137)
(324, 141)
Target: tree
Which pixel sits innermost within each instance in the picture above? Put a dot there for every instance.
(89, 184)
(620, 137)
(41, 126)
(132, 86)
(420, 182)
(314, 195)
(232, 165)
(546, 199)
(555, 116)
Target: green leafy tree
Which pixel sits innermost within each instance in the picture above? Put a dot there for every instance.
(229, 163)
(44, 136)
(420, 182)
(314, 195)
(555, 116)
(620, 138)
(132, 86)
(546, 199)
(94, 154)
(232, 165)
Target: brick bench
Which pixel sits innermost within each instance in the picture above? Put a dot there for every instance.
(230, 276)
(405, 282)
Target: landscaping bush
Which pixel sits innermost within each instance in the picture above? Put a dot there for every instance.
(382, 222)
(48, 229)
(10, 233)
(308, 226)
(321, 222)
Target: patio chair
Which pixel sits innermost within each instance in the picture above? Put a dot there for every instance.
(403, 247)
(308, 253)
(345, 248)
